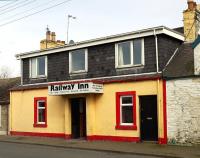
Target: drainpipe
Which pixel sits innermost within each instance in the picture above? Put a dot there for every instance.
(158, 85)
(10, 115)
(21, 66)
(156, 42)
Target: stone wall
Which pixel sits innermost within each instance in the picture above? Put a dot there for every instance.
(197, 60)
(4, 120)
(183, 111)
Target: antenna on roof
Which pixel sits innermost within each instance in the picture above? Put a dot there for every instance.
(47, 29)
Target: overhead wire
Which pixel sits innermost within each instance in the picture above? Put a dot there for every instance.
(34, 13)
(28, 10)
(8, 4)
(20, 2)
(12, 9)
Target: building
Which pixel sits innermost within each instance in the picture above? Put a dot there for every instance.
(103, 89)
(110, 88)
(183, 84)
(5, 85)
(50, 41)
(191, 17)
(183, 95)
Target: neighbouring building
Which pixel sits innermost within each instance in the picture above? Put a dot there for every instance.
(183, 84)
(50, 41)
(183, 94)
(5, 85)
(191, 18)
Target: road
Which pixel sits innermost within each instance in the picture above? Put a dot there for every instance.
(13, 150)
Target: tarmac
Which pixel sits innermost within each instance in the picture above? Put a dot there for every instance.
(144, 148)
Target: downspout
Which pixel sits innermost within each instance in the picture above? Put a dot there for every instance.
(10, 115)
(156, 43)
(158, 87)
(21, 65)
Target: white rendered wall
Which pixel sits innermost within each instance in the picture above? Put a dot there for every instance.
(183, 110)
(197, 60)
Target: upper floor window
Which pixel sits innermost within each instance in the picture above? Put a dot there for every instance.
(130, 53)
(78, 61)
(38, 67)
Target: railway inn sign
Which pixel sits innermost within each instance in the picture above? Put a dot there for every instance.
(74, 88)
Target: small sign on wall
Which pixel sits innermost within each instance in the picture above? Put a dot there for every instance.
(75, 88)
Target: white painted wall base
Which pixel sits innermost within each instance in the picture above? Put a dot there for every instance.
(3, 132)
(183, 110)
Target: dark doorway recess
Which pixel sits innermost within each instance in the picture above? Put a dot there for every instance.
(148, 118)
(78, 117)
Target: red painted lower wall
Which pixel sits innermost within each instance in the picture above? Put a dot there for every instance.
(113, 138)
(89, 138)
(52, 135)
(164, 140)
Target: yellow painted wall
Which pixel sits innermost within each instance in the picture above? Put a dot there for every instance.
(100, 109)
(22, 112)
(105, 108)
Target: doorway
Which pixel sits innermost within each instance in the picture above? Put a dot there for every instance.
(148, 118)
(78, 118)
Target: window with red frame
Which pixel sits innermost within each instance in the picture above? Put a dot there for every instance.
(40, 112)
(126, 110)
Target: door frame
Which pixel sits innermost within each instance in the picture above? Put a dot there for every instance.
(140, 116)
(85, 113)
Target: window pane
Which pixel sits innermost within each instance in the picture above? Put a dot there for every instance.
(41, 115)
(124, 53)
(137, 51)
(127, 100)
(33, 67)
(41, 104)
(127, 114)
(41, 65)
(41, 111)
(78, 60)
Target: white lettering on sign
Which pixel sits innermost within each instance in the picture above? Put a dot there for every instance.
(75, 88)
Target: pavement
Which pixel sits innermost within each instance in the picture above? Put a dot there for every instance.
(145, 148)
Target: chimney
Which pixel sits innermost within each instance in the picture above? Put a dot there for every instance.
(192, 5)
(191, 25)
(50, 41)
(53, 36)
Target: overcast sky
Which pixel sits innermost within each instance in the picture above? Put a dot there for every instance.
(95, 18)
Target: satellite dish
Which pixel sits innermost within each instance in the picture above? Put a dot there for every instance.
(71, 42)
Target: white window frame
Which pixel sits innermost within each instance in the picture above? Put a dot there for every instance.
(132, 52)
(38, 108)
(30, 68)
(86, 63)
(122, 105)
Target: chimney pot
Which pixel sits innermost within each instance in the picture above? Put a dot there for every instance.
(191, 5)
(53, 36)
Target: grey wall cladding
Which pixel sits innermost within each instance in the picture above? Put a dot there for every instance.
(101, 61)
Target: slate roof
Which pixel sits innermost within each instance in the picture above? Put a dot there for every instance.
(5, 85)
(179, 29)
(182, 64)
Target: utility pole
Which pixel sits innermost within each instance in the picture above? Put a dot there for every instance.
(68, 21)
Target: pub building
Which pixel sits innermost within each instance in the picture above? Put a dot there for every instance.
(108, 88)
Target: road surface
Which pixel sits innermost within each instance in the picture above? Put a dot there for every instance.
(14, 150)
